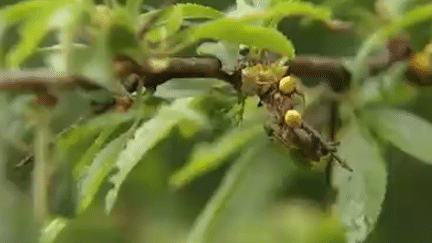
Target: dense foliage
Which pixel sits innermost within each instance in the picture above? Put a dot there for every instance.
(189, 131)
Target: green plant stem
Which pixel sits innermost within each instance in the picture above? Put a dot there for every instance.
(41, 151)
(207, 220)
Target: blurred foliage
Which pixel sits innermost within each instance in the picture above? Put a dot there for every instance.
(179, 166)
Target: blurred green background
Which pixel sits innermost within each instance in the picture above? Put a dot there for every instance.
(275, 203)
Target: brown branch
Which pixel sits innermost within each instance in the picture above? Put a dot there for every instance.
(329, 69)
(41, 80)
(157, 71)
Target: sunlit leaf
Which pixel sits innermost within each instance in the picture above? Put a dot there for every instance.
(281, 10)
(54, 227)
(361, 192)
(193, 10)
(13, 13)
(236, 31)
(208, 156)
(147, 136)
(404, 130)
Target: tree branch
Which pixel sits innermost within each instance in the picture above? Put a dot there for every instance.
(157, 71)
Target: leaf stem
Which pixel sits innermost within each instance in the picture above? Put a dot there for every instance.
(207, 220)
(41, 151)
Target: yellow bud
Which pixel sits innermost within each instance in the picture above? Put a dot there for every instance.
(288, 84)
(293, 118)
(420, 62)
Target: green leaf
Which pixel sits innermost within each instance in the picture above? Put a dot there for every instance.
(391, 9)
(207, 221)
(388, 88)
(408, 132)
(189, 11)
(208, 156)
(193, 10)
(48, 15)
(358, 66)
(236, 31)
(54, 227)
(32, 33)
(87, 158)
(148, 135)
(133, 8)
(78, 137)
(20, 11)
(98, 66)
(227, 53)
(282, 10)
(102, 164)
(361, 192)
(172, 23)
(188, 87)
(414, 16)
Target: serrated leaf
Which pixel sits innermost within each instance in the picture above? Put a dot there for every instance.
(408, 132)
(361, 192)
(87, 158)
(236, 31)
(146, 137)
(102, 164)
(84, 130)
(207, 157)
(54, 227)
